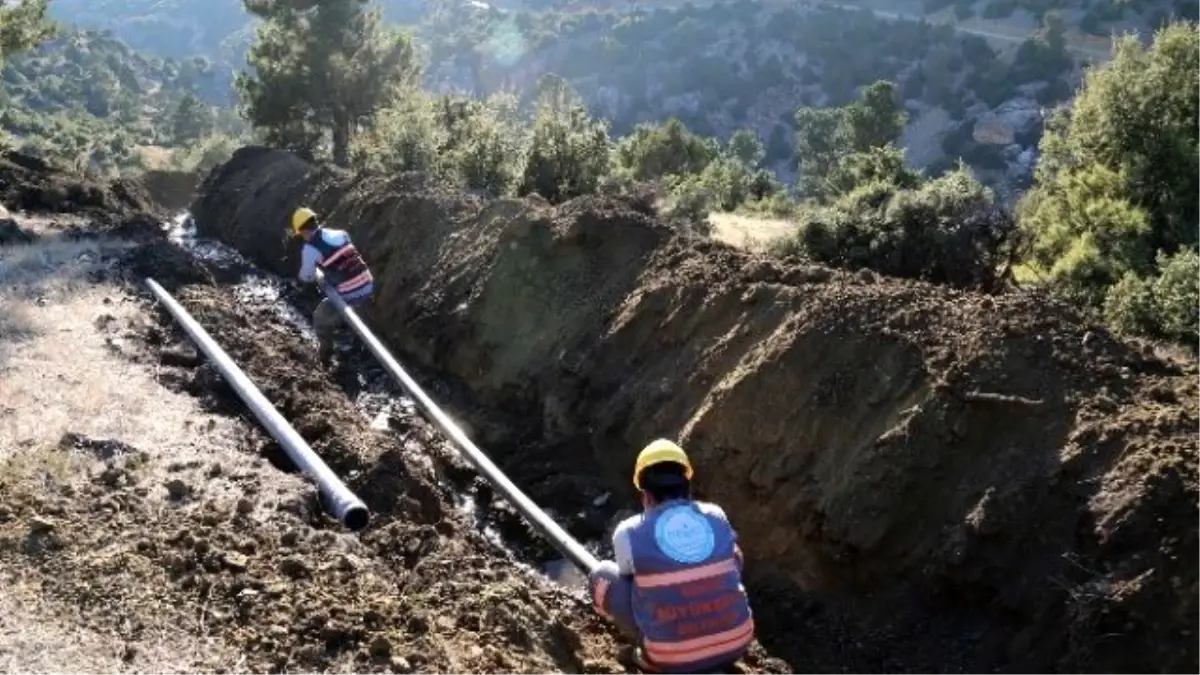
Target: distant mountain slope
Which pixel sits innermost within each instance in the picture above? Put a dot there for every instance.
(974, 84)
(726, 66)
(87, 97)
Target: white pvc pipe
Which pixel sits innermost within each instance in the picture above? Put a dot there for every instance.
(342, 503)
(562, 540)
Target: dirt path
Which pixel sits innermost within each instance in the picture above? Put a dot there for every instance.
(76, 408)
(749, 232)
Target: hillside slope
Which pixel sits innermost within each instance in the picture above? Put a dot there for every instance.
(975, 83)
(916, 454)
(89, 100)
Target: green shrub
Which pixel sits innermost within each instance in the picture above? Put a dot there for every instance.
(568, 149)
(691, 200)
(1117, 179)
(1084, 233)
(1164, 306)
(950, 230)
(1177, 292)
(657, 150)
(1129, 306)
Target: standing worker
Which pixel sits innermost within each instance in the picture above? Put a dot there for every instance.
(344, 269)
(676, 584)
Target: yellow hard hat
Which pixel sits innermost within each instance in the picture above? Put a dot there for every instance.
(301, 216)
(659, 452)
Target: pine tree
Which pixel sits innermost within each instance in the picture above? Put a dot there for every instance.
(191, 121)
(23, 24)
(568, 150)
(322, 67)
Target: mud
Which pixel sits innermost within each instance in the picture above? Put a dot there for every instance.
(202, 543)
(922, 478)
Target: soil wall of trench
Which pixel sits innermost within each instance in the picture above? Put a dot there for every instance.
(874, 441)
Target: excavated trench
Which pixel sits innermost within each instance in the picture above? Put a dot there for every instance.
(923, 479)
(188, 530)
(375, 395)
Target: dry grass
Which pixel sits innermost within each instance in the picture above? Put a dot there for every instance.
(155, 156)
(32, 640)
(37, 637)
(749, 232)
(70, 376)
(15, 323)
(62, 369)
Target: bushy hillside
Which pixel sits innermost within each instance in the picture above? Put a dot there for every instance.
(221, 30)
(750, 65)
(1094, 17)
(718, 67)
(815, 113)
(90, 100)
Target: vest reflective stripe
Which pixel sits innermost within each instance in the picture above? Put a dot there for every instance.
(684, 576)
(350, 285)
(342, 264)
(701, 648)
(337, 255)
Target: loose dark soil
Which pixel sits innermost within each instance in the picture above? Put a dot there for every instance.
(255, 563)
(954, 480)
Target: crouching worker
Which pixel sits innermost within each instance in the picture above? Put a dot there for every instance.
(344, 269)
(676, 584)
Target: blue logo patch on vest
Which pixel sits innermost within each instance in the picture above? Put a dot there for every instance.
(684, 535)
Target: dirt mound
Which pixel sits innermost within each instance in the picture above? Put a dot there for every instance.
(990, 459)
(30, 184)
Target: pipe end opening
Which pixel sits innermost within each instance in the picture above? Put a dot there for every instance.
(356, 518)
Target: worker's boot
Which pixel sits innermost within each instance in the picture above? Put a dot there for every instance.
(633, 657)
(325, 352)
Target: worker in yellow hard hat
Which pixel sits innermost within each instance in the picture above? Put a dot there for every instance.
(676, 583)
(344, 269)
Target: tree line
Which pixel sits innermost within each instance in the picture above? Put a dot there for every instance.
(1109, 224)
(87, 100)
